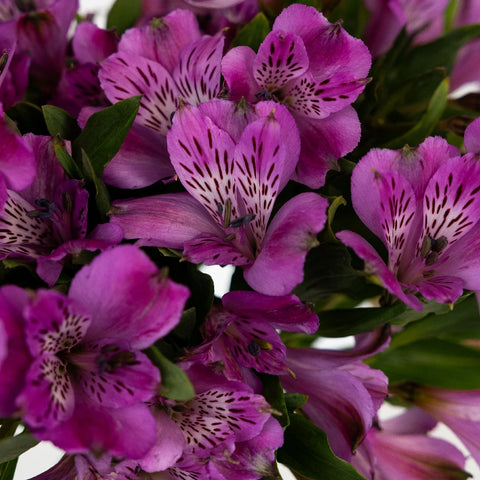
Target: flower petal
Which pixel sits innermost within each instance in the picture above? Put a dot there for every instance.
(237, 70)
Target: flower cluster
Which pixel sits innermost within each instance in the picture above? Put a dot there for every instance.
(325, 154)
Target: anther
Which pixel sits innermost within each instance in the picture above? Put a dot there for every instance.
(45, 210)
(242, 221)
(228, 213)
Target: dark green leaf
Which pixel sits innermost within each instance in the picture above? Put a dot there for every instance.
(12, 447)
(294, 401)
(102, 197)
(105, 132)
(273, 393)
(186, 327)
(306, 451)
(345, 322)
(254, 33)
(28, 117)
(60, 122)
(7, 470)
(431, 361)
(175, 383)
(429, 120)
(124, 14)
(67, 162)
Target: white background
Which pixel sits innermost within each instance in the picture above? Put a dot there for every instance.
(45, 455)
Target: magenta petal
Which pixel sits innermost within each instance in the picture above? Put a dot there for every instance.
(14, 356)
(128, 431)
(443, 289)
(280, 58)
(92, 44)
(413, 421)
(167, 220)
(374, 265)
(472, 137)
(131, 299)
(122, 76)
(237, 70)
(197, 76)
(324, 141)
(278, 267)
(285, 312)
(168, 447)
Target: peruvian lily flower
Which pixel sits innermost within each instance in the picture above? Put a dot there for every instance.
(242, 333)
(46, 222)
(317, 70)
(400, 448)
(424, 204)
(88, 381)
(422, 18)
(344, 394)
(163, 61)
(233, 163)
(457, 409)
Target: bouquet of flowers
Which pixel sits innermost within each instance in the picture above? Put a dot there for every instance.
(328, 151)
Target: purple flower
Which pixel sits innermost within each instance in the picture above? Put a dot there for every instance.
(242, 334)
(163, 61)
(317, 70)
(47, 221)
(400, 448)
(424, 204)
(88, 381)
(233, 162)
(344, 394)
(422, 18)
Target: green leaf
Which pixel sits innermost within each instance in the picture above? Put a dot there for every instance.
(431, 361)
(28, 117)
(60, 122)
(105, 132)
(294, 401)
(124, 14)
(175, 383)
(428, 122)
(254, 33)
(306, 451)
(102, 197)
(12, 447)
(274, 395)
(7, 470)
(67, 162)
(345, 322)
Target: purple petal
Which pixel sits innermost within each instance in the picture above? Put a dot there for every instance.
(465, 73)
(197, 75)
(134, 382)
(123, 75)
(92, 44)
(131, 299)
(281, 58)
(238, 73)
(48, 398)
(167, 220)
(374, 265)
(12, 346)
(214, 250)
(324, 141)
(472, 137)
(259, 165)
(413, 421)
(443, 289)
(202, 155)
(283, 312)
(55, 323)
(163, 39)
(168, 447)
(278, 267)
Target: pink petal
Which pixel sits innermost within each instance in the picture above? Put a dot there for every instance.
(238, 73)
(278, 267)
(472, 137)
(92, 44)
(132, 301)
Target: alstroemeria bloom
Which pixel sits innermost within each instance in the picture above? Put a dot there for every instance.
(233, 164)
(400, 448)
(422, 18)
(242, 334)
(86, 387)
(344, 394)
(47, 221)
(163, 61)
(458, 409)
(424, 204)
(317, 70)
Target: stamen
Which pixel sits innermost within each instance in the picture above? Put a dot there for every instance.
(67, 202)
(263, 95)
(242, 221)
(254, 349)
(228, 213)
(426, 246)
(46, 209)
(3, 61)
(439, 244)
(117, 360)
(219, 208)
(432, 258)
